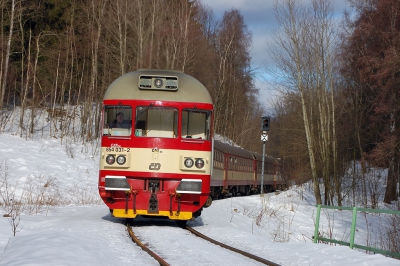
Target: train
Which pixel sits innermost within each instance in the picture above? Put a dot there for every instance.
(158, 155)
(239, 172)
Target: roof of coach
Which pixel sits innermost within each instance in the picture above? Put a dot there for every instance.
(267, 159)
(127, 87)
(226, 148)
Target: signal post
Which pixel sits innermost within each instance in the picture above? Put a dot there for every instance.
(264, 138)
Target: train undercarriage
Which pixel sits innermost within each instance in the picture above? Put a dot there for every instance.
(234, 191)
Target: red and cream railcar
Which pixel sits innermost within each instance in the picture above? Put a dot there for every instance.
(238, 172)
(156, 160)
(271, 178)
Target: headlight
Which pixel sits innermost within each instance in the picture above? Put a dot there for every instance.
(189, 186)
(110, 159)
(158, 83)
(117, 183)
(199, 163)
(189, 162)
(121, 159)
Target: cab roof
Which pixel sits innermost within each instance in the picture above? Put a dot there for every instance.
(126, 87)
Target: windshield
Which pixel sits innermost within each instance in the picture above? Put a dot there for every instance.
(159, 122)
(196, 124)
(117, 120)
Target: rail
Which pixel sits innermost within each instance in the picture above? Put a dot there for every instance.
(246, 254)
(139, 243)
(351, 244)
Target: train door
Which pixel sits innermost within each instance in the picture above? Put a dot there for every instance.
(226, 168)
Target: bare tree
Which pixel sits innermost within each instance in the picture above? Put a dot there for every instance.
(95, 13)
(119, 13)
(233, 84)
(4, 70)
(295, 65)
(11, 202)
(322, 42)
(304, 57)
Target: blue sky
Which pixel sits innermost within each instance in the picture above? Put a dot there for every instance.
(260, 20)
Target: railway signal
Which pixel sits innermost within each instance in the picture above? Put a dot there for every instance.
(264, 138)
(265, 123)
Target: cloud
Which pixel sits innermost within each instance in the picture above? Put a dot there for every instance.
(259, 17)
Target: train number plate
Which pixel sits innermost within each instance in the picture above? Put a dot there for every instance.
(117, 149)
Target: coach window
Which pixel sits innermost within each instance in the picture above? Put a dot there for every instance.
(117, 120)
(157, 122)
(196, 124)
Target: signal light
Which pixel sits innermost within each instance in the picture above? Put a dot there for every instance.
(265, 123)
(199, 163)
(121, 159)
(105, 194)
(110, 159)
(189, 162)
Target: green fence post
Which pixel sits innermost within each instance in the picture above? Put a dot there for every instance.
(353, 227)
(317, 223)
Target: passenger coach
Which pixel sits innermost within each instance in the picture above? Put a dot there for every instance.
(238, 172)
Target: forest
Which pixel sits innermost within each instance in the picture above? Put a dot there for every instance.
(337, 80)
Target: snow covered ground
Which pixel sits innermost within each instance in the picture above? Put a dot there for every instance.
(79, 230)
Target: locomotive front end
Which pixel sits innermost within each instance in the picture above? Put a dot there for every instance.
(156, 149)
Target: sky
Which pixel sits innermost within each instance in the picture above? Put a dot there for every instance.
(260, 19)
(78, 228)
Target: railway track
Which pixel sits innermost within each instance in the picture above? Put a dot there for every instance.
(246, 254)
(140, 244)
(163, 262)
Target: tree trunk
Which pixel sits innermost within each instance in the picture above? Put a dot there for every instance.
(7, 55)
(392, 180)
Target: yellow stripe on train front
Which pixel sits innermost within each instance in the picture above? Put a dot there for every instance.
(120, 213)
